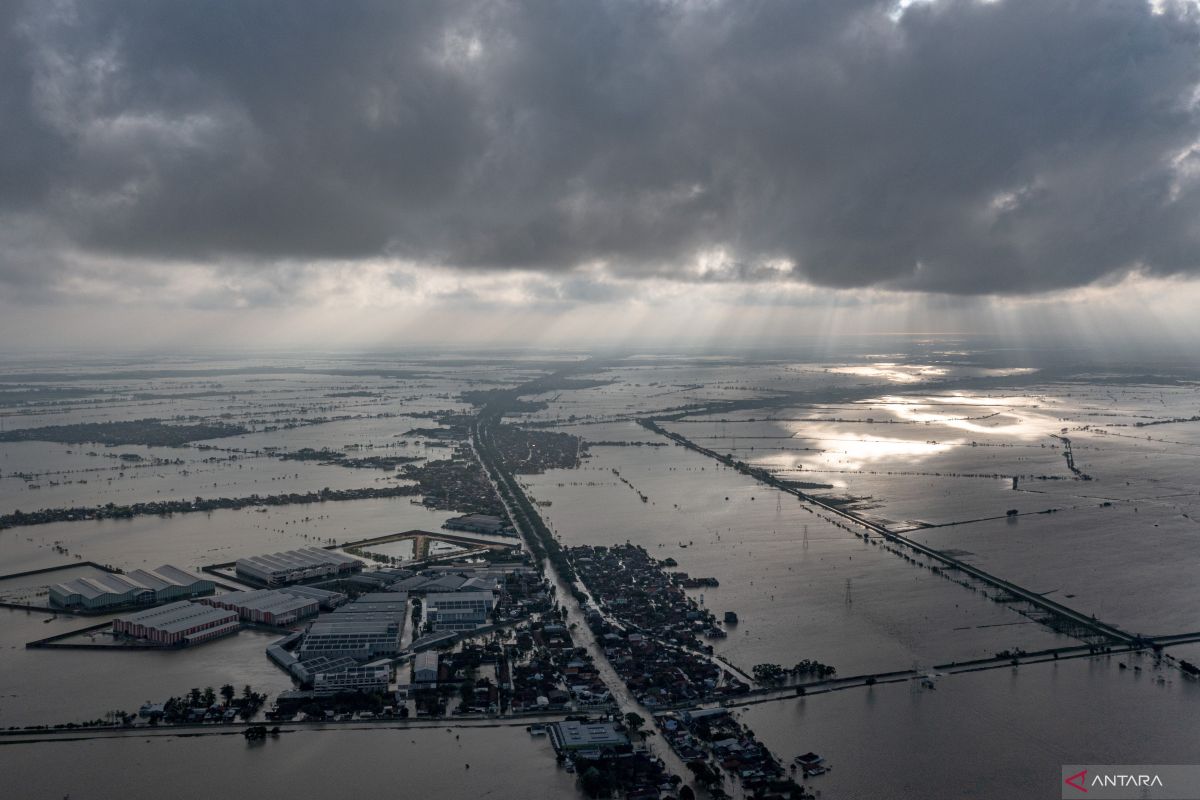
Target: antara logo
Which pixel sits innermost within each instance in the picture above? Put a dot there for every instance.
(1077, 781)
(1125, 780)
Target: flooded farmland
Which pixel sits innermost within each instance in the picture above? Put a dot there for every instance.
(795, 496)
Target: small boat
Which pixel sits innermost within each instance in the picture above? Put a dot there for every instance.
(536, 729)
(731, 618)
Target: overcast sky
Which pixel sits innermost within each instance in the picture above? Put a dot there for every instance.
(559, 171)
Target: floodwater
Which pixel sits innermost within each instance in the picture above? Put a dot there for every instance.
(801, 586)
(993, 735)
(51, 686)
(918, 448)
(505, 764)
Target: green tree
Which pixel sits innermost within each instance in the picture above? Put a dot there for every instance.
(194, 696)
(210, 696)
(635, 721)
(592, 782)
(227, 693)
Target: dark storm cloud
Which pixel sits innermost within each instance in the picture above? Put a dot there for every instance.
(967, 147)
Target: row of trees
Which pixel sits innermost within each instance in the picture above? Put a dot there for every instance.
(247, 703)
(774, 673)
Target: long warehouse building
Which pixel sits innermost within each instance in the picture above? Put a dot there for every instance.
(268, 606)
(293, 566)
(180, 623)
(137, 587)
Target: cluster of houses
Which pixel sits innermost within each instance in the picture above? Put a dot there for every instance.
(455, 483)
(649, 628)
(539, 669)
(532, 452)
(458, 671)
(712, 742)
(664, 677)
(633, 587)
(548, 672)
(609, 763)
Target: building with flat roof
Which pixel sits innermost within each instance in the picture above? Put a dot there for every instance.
(350, 675)
(435, 583)
(266, 606)
(360, 640)
(458, 611)
(571, 735)
(137, 587)
(179, 623)
(293, 566)
(364, 630)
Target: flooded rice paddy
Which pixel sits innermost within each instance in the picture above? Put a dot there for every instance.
(925, 442)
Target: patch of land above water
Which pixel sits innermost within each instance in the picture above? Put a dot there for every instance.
(151, 432)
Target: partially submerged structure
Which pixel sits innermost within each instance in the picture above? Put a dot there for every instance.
(139, 587)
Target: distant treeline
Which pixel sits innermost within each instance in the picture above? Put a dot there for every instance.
(167, 507)
(326, 456)
(626, 444)
(1166, 421)
(150, 432)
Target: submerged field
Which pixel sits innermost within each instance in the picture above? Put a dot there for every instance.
(1101, 517)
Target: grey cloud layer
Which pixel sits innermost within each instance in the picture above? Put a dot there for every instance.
(967, 147)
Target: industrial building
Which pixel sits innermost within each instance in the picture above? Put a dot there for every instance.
(360, 640)
(458, 611)
(266, 606)
(364, 630)
(570, 735)
(293, 566)
(325, 599)
(436, 582)
(331, 673)
(425, 667)
(346, 674)
(138, 587)
(377, 603)
(179, 623)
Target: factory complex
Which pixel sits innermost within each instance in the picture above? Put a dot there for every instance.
(139, 587)
(295, 566)
(177, 624)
